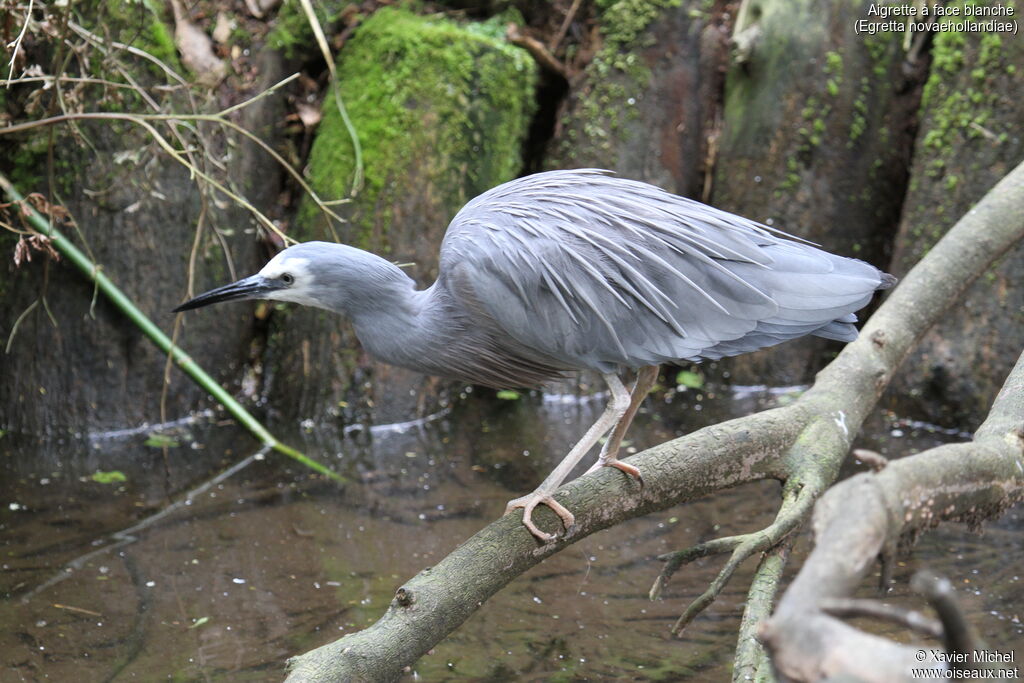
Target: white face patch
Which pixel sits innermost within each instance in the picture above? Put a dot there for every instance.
(285, 263)
(301, 288)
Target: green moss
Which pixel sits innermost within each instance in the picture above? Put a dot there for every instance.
(451, 100)
(957, 110)
(880, 47)
(834, 72)
(947, 58)
(792, 179)
(833, 63)
(623, 21)
(27, 162)
(292, 35)
(142, 24)
(990, 50)
(957, 113)
(966, 112)
(617, 74)
(859, 121)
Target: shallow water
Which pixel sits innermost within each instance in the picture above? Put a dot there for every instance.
(171, 575)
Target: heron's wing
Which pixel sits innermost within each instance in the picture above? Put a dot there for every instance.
(598, 271)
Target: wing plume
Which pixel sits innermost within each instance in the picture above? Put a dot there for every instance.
(592, 271)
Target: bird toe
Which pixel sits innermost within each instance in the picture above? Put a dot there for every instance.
(529, 502)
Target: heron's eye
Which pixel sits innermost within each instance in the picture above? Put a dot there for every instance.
(287, 278)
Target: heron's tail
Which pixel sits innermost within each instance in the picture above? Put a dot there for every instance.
(888, 281)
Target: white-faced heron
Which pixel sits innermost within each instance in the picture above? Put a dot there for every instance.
(571, 270)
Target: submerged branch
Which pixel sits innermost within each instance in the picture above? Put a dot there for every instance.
(124, 537)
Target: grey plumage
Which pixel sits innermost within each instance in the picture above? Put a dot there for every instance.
(571, 270)
(587, 270)
(580, 269)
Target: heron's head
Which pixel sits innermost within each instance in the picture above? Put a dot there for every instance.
(322, 274)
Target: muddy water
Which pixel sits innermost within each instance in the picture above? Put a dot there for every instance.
(209, 563)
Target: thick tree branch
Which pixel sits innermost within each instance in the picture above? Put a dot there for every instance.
(803, 443)
(855, 520)
(439, 599)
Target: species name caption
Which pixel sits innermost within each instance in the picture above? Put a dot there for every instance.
(896, 17)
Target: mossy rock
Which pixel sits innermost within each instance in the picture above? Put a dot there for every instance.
(442, 110)
(442, 105)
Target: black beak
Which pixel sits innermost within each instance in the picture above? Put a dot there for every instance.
(253, 287)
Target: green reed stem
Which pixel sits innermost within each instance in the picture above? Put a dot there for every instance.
(182, 359)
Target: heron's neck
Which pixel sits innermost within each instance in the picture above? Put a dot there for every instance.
(432, 332)
(396, 323)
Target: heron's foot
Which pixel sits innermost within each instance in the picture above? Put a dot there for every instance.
(620, 466)
(529, 502)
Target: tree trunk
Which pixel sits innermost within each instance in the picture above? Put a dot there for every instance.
(970, 136)
(88, 369)
(818, 132)
(646, 103)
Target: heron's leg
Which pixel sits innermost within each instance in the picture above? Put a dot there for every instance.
(544, 494)
(645, 379)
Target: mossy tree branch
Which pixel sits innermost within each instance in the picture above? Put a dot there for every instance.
(803, 444)
(751, 661)
(857, 518)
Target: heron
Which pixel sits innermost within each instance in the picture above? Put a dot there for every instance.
(574, 270)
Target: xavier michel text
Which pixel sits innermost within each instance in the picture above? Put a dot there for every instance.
(973, 657)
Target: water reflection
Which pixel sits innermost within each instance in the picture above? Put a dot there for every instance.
(210, 563)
